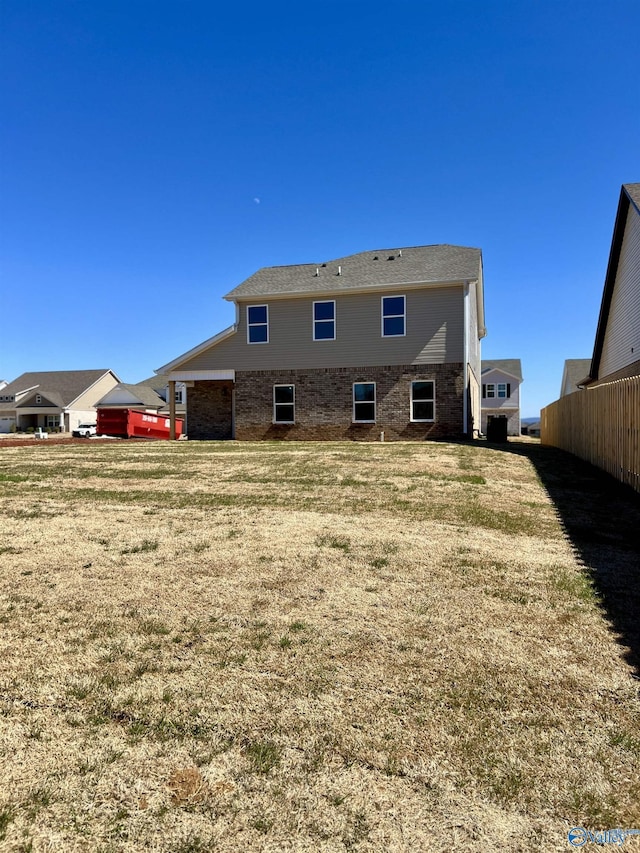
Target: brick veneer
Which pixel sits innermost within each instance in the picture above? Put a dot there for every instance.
(324, 403)
(209, 410)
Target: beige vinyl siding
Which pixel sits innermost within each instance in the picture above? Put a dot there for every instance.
(434, 334)
(621, 345)
(96, 392)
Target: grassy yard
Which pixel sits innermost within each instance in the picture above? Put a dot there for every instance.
(302, 647)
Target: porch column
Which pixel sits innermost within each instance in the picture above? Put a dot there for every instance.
(172, 410)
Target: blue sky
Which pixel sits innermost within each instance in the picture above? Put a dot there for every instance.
(154, 154)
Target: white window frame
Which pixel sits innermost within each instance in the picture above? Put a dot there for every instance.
(324, 322)
(52, 421)
(491, 391)
(433, 400)
(38, 399)
(501, 386)
(384, 316)
(368, 402)
(257, 325)
(293, 403)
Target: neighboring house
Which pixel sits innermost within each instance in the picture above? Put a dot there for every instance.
(501, 380)
(616, 352)
(126, 396)
(150, 395)
(160, 384)
(573, 375)
(60, 399)
(380, 342)
(533, 429)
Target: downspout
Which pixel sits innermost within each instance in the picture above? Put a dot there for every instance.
(465, 366)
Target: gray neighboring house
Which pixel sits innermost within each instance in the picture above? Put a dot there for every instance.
(379, 342)
(573, 375)
(150, 395)
(501, 380)
(616, 351)
(53, 400)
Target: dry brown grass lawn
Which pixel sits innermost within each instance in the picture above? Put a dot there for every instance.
(301, 648)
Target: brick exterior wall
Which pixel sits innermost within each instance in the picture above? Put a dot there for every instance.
(209, 410)
(513, 419)
(324, 404)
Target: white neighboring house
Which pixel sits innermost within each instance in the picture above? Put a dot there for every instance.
(501, 380)
(575, 371)
(53, 400)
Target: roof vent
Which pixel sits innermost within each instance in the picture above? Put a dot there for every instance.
(376, 258)
(339, 270)
(391, 258)
(317, 271)
(324, 265)
(400, 253)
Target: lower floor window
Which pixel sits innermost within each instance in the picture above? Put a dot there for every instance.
(423, 400)
(364, 402)
(52, 421)
(284, 404)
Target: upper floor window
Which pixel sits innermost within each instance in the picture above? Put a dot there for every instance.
(423, 400)
(393, 316)
(257, 324)
(501, 390)
(324, 321)
(364, 402)
(38, 399)
(179, 396)
(284, 404)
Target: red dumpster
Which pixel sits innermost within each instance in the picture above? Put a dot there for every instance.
(133, 423)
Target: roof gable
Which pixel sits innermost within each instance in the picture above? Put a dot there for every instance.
(512, 366)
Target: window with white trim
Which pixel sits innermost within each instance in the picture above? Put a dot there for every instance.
(423, 400)
(393, 316)
(284, 404)
(364, 402)
(257, 324)
(324, 320)
(491, 390)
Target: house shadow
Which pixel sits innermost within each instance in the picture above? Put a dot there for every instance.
(601, 518)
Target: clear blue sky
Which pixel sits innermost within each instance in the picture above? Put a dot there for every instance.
(155, 154)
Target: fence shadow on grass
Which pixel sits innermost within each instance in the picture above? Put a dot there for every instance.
(601, 517)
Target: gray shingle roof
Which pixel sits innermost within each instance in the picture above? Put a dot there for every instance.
(576, 369)
(377, 268)
(143, 393)
(633, 191)
(508, 365)
(68, 384)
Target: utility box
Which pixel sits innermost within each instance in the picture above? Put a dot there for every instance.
(497, 428)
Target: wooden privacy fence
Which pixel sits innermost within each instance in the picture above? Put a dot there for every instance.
(601, 425)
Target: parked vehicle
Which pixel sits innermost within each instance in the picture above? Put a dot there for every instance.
(84, 431)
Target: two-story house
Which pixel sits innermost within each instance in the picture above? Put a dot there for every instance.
(378, 345)
(501, 379)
